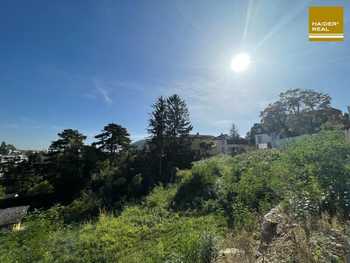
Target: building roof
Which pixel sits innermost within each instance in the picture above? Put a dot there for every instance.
(202, 136)
(12, 215)
(222, 137)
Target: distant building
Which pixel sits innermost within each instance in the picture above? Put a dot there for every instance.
(14, 157)
(265, 141)
(225, 145)
(204, 146)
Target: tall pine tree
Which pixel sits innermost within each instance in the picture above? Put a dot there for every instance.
(169, 127)
(157, 129)
(113, 140)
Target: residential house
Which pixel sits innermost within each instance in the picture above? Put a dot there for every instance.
(265, 141)
(225, 145)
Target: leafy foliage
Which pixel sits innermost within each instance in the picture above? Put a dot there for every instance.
(6, 148)
(114, 139)
(300, 112)
(311, 175)
(187, 221)
(317, 170)
(234, 134)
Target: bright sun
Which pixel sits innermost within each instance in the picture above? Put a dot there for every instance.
(240, 62)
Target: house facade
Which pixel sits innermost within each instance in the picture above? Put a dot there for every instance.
(225, 145)
(265, 141)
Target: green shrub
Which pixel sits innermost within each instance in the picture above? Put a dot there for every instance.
(87, 206)
(316, 173)
(160, 197)
(198, 185)
(237, 187)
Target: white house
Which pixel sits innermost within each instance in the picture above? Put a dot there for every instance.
(264, 140)
(225, 145)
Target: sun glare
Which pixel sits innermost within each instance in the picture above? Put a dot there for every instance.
(240, 62)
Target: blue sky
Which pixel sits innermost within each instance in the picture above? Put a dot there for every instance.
(83, 64)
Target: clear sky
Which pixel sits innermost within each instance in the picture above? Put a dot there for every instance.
(82, 64)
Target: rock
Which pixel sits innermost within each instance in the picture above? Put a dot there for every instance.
(231, 255)
(270, 223)
(338, 245)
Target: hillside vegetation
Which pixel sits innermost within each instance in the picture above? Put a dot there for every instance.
(218, 203)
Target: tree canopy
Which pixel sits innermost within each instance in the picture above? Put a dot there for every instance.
(298, 112)
(6, 148)
(69, 140)
(113, 139)
(169, 127)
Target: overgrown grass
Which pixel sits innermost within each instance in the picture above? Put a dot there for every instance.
(145, 233)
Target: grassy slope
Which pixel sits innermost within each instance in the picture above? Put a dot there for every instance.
(187, 222)
(147, 233)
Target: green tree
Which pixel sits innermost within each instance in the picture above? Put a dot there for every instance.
(178, 118)
(300, 112)
(114, 139)
(3, 149)
(69, 141)
(157, 130)
(6, 148)
(116, 183)
(254, 130)
(28, 178)
(234, 135)
(178, 122)
(274, 118)
(66, 165)
(169, 127)
(297, 101)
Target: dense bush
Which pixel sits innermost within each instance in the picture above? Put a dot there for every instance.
(311, 175)
(198, 185)
(316, 174)
(237, 187)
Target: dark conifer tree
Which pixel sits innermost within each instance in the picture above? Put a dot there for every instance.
(169, 127)
(113, 140)
(65, 165)
(157, 129)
